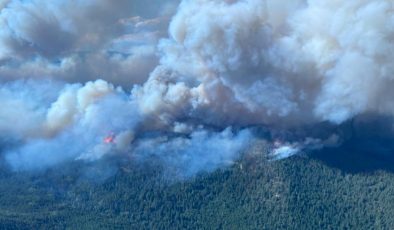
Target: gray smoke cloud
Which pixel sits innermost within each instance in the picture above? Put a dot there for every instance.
(78, 41)
(295, 62)
(186, 97)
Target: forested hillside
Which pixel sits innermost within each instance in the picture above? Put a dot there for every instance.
(302, 192)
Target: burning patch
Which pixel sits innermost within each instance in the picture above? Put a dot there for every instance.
(109, 139)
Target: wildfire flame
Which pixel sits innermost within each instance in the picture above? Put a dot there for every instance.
(109, 139)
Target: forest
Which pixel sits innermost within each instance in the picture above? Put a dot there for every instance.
(325, 190)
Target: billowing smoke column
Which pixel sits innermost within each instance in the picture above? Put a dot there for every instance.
(225, 65)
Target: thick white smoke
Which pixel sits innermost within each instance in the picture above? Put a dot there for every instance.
(226, 63)
(72, 126)
(249, 62)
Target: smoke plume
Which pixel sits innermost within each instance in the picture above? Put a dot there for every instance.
(188, 82)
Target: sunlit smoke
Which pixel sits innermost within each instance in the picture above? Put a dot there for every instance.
(116, 83)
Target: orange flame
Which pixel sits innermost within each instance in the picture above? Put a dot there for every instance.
(109, 139)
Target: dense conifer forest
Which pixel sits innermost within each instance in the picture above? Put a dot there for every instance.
(320, 191)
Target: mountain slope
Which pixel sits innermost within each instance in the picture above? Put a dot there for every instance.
(301, 192)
